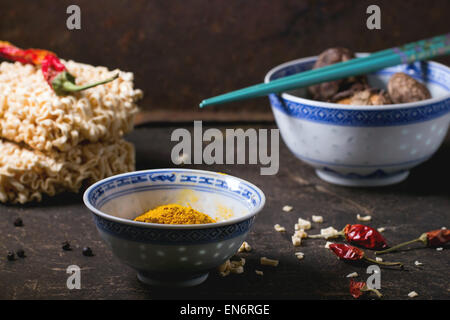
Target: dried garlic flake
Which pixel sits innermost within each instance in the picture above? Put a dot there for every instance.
(269, 262)
(299, 255)
(288, 208)
(413, 294)
(301, 234)
(329, 233)
(296, 241)
(244, 247)
(279, 228)
(303, 224)
(317, 219)
(365, 218)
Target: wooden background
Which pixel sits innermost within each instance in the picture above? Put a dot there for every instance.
(184, 51)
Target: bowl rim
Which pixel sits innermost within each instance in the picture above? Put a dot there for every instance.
(331, 105)
(106, 216)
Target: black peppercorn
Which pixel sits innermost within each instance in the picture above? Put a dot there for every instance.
(18, 222)
(66, 246)
(11, 256)
(87, 252)
(20, 253)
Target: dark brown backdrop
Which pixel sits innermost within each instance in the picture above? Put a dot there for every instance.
(184, 51)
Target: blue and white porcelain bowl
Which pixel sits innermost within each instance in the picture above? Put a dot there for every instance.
(364, 145)
(179, 255)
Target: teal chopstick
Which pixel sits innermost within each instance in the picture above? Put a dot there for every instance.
(415, 51)
(378, 54)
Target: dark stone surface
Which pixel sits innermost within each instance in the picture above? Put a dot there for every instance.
(185, 51)
(419, 204)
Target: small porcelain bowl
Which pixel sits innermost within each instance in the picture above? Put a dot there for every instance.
(364, 145)
(164, 254)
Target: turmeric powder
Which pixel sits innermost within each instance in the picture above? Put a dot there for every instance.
(174, 214)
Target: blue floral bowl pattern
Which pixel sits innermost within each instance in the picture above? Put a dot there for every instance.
(179, 255)
(364, 145)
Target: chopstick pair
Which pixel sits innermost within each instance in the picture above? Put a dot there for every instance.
(415, 51)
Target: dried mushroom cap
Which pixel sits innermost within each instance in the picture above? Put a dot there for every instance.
(403, 88)
(327, 90)
(368, 97)
(333, 55)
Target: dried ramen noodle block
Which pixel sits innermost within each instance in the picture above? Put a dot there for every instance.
(31, 113)
(26, 174)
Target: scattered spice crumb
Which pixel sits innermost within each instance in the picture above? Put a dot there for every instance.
(378, 259)
(352, 275)
(11, 256)
(303, 224)
(317, 219)
(237, 270)
(18, 222)
(382, 229)
(296, 241)
(87, 252)
(259, 272)
(224, 268)
(245, 247)
(299, 255)
(231, 266)
(439, 249)
(237, 263)
(279, 228)
(225, 273)
(269, 262)
(288, 208)
(365, 218)
(20, 253)
(417, 263)
(413, 294)
(184, 158)
(66, 246)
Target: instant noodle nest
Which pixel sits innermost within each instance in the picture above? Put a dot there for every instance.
(50, 143)
(26, 174)
(32, 113)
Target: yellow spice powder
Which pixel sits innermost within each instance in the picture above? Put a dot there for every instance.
(174, 214)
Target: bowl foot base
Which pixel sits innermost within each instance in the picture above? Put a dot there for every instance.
(172, 282)
(350, 181)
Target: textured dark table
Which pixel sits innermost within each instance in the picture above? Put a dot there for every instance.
(406, 210)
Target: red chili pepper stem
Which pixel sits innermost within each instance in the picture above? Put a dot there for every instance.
(366, 288)
(423, 238)
(64, 83)
(384, 263)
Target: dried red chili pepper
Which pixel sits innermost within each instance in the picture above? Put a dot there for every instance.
(430, 239)
(350, 253)
(29, 56)
(361, 235)
(358, 288)
(55, 73)
(364, 236)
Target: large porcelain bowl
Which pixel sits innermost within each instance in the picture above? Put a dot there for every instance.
(364, 145)
(180, 255)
